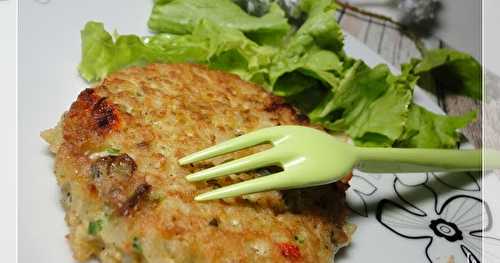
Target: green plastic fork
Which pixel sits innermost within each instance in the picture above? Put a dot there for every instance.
(311, 157)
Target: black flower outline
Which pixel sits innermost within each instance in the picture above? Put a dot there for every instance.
(464, 181)
(412, 179)
(459, 210)
(447, 230)
(469, 255)
(359, 189)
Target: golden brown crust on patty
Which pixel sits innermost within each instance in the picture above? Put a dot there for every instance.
(126, 196)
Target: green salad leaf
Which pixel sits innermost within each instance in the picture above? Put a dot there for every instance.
(449, 69)
(101, 55)
(306, 65)
(182, 16)
(425, 129)
(371, 105)
(312, 53)
(221, 48)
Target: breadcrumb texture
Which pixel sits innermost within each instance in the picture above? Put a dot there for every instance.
(125, 196)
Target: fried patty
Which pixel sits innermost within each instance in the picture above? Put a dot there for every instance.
(125, 195)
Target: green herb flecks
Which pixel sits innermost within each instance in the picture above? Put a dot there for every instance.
(112, 151)
(299, 239)
(136, 245)
(157, 196)
(95, 227)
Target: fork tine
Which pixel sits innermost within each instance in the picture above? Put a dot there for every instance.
(254, 161)
(270, 182)
(235, 144)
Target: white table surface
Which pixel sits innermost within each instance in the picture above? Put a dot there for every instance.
(8, 131)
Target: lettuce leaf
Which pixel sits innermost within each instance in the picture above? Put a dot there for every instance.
(371, 105)
(208, 44)
(307, 66)
(182, 16)
(425, 129)
(312, 53)
(449, 69)
(101, 55)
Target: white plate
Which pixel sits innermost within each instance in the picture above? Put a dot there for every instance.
(49, 51)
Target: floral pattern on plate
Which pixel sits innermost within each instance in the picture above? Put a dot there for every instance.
(453, 224)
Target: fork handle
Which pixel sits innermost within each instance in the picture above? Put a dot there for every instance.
(424, 160)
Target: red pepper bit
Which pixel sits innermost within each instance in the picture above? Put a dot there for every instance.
(289, 250)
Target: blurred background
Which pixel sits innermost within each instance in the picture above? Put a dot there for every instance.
(457, 22)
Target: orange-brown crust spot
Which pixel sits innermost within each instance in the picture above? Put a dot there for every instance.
(278, 106)
(89, 119)
(104, 115)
